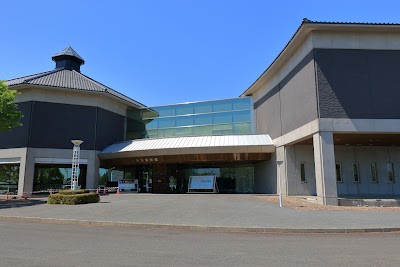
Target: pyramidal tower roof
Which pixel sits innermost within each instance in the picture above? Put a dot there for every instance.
(68, 59)
(68, 51)
(67, 75)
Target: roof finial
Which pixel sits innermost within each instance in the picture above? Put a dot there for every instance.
(305, 20)
(68, 59)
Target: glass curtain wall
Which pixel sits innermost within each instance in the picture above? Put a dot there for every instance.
(219, 117)
(110, 177)
(56, 177)
(9, 176)
(230, 179)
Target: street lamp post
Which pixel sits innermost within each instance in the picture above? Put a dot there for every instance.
(279, 163)
(75, 163)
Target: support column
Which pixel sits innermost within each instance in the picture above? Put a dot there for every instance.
(92, 174)
(281, 178)
(26, 174)
(325, 173)
(287, 171)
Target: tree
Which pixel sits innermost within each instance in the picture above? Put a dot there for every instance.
(9, 114)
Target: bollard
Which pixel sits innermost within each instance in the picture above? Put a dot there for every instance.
(118, 192)
(25, 196)
(97, 190)
(105, 191)
(51, 192)
(7, 195)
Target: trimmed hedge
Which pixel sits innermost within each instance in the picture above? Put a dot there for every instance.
(76, 192)
(74, 199)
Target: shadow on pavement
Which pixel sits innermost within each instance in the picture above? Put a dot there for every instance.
(8, 204)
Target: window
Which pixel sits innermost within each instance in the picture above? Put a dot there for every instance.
(9, 175)
(241, 116)
(184, 109)
(390, 172)
(203, 107)
(225, 105)
(374, 175)
(356, 173)
(242, 128)
(303, 177)
(225, 117)
(165, 111)
(183, 121)
(241, 103)
(166, 122)
(339, 173)
(203, 119)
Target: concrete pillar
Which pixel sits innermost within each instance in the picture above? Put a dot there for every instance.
(287, 171)
(26, 173)
(325, 172)
(281, 178)
(92, 174)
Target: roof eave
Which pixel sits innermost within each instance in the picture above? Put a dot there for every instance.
(301, 34)
(108, 94)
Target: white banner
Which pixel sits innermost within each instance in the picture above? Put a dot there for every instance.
(127, 185)
(202, 182)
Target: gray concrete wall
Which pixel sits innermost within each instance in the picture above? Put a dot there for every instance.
(292, 156)
(28, 156)
(364, 156)
(346, 156)
(291, 104)
(70, 97)
(265, 176)
(20, 156)
(358, 84)
(303, 154)
(92, 175)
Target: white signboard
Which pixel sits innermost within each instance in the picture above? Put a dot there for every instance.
(202, 182)
(128, 185)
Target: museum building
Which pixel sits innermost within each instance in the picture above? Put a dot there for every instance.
(322, 120)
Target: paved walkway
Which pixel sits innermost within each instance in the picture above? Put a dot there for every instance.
(243, 211)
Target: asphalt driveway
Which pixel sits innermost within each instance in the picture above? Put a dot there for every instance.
(205, 210)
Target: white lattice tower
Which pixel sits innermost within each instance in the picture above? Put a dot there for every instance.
(75, 163)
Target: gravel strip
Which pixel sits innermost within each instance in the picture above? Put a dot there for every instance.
(298, 203)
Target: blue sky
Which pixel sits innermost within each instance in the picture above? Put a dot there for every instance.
(165, 52)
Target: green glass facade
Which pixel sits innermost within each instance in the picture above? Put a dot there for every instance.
(56, 177)
(237, 178)
(9, 175)
(219, 117)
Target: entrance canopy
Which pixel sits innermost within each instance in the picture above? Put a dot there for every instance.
(232, 144)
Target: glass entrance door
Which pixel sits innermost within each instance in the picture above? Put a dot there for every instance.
(148, 182)
(144, 173)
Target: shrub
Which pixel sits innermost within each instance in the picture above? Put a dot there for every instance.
(76, 192)
(73, 199)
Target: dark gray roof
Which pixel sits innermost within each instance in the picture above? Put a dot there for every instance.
(68, 52)
(305, 20)
(72, 80)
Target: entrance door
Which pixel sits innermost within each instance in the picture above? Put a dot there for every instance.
(160, 179)
(148, 182)
(144, 175)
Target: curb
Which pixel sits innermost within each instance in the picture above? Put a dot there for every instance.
(228, 229)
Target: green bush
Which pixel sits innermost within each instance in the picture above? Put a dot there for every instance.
(76, 192)
(75, 199)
